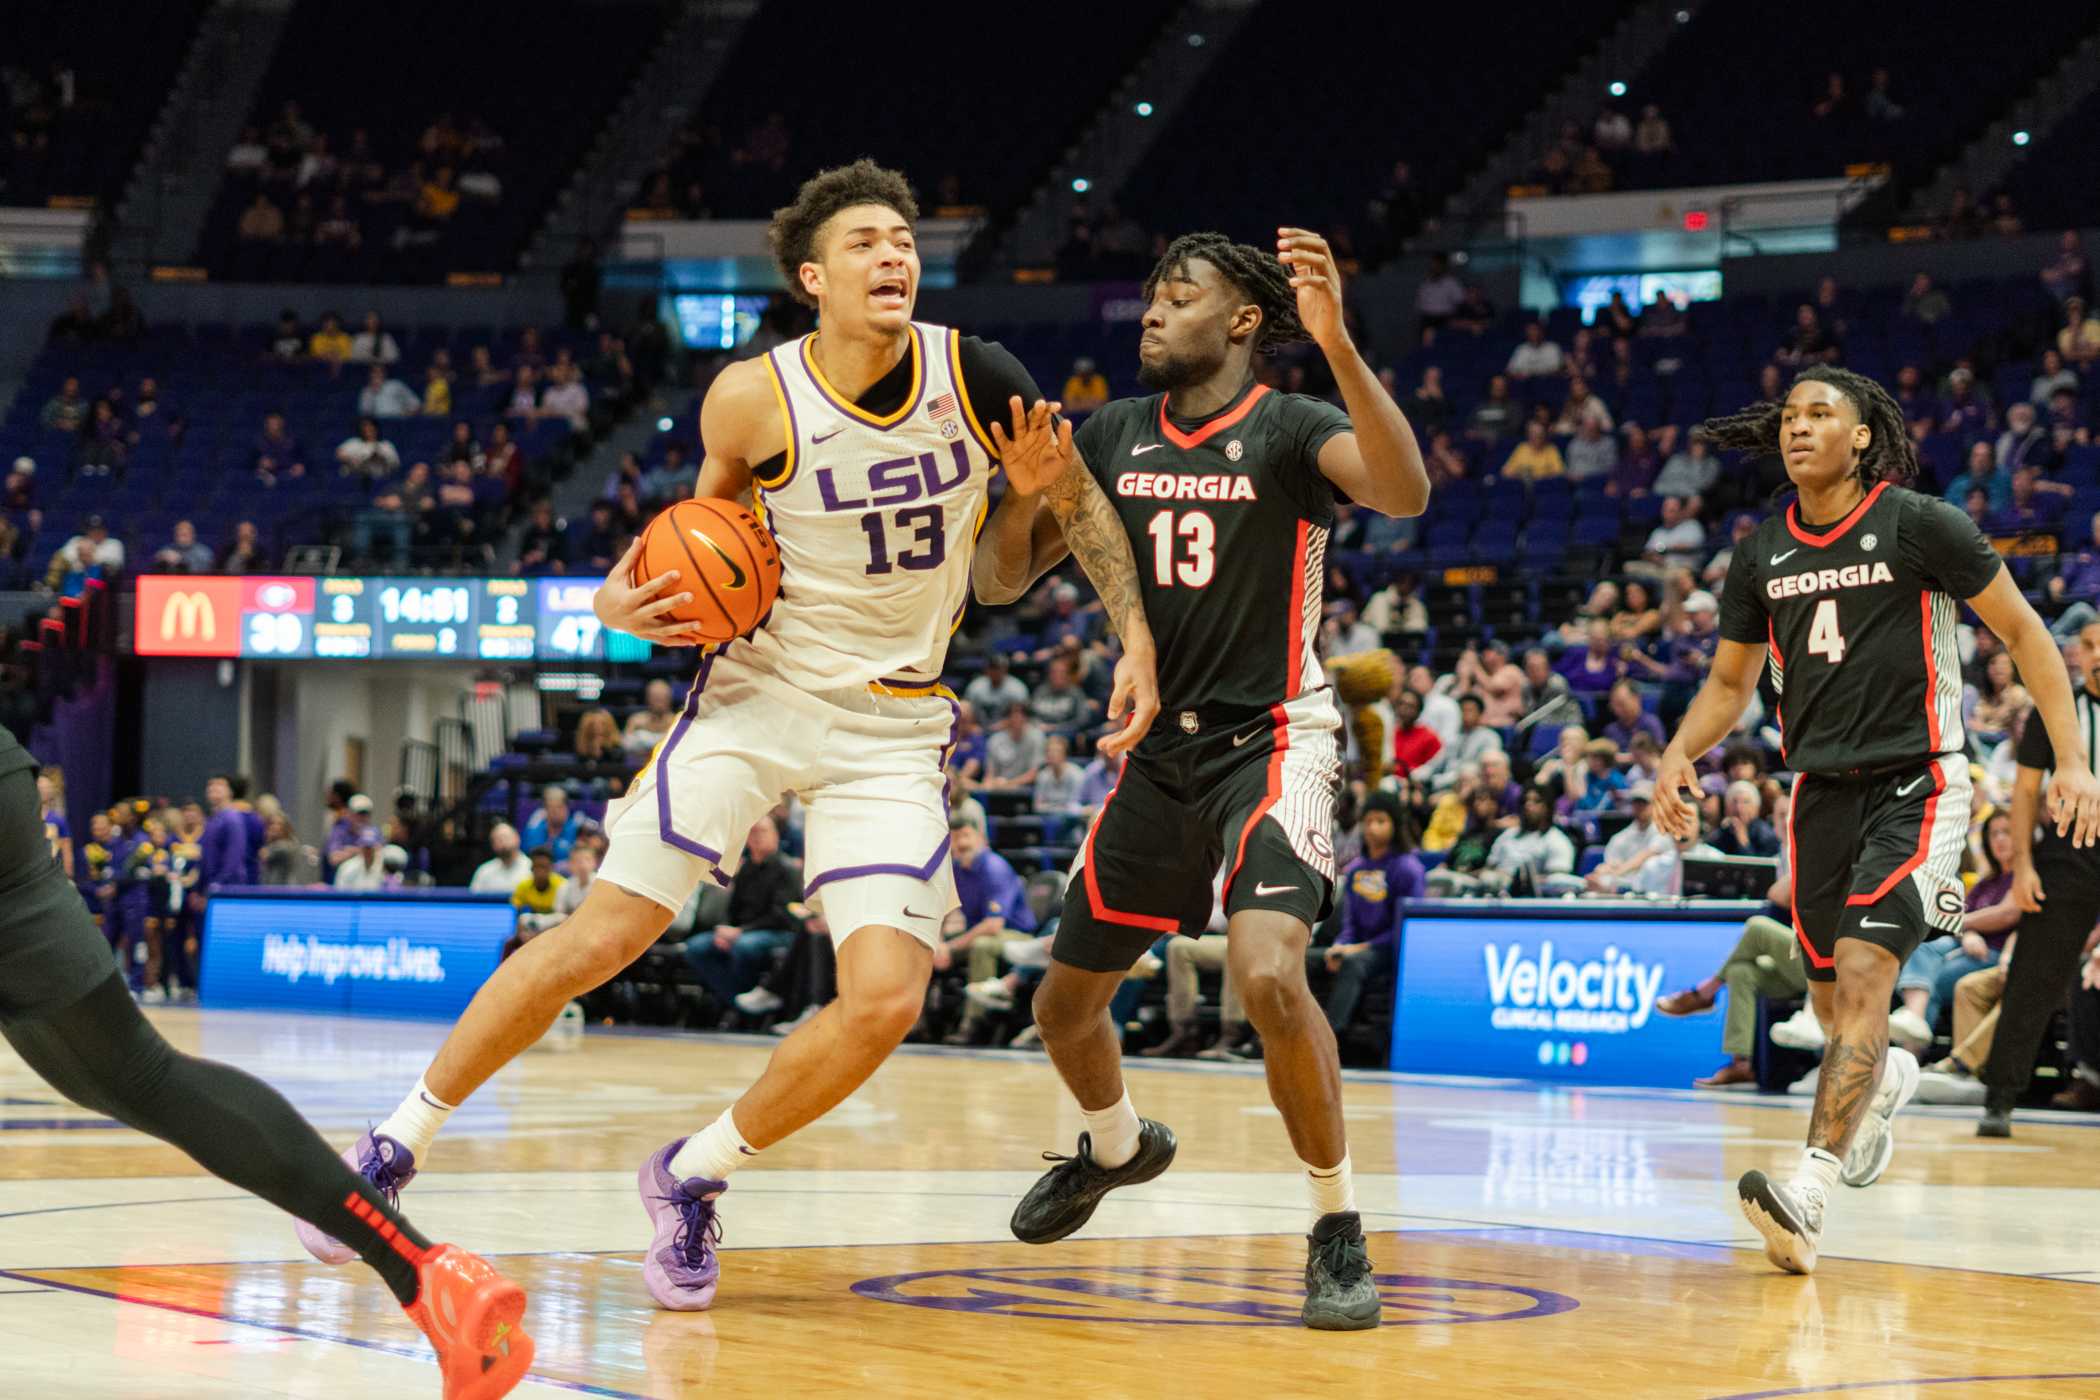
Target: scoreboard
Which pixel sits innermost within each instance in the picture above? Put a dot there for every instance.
(266, 617)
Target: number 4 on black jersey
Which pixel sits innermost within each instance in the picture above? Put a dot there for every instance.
(1860, 620)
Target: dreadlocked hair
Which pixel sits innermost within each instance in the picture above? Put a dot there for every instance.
(1258, 276)
(1889, 454)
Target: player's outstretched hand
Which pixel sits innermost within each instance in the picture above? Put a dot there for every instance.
(1037, 450)
(1675, 777)
(1136, 690)
(2074, 803)
(1316, 280)
(640, 609)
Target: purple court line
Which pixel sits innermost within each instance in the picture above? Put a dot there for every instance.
(283, 1329)
(1910, 1380)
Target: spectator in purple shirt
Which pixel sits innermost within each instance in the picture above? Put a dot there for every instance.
(2033, 506)
(223, 852)
(277, 454)
(1097, 782)
(2077, 579)
(1374, 889)
(342, 837)
(1628, 718)
(1595, 667)
(1964, 410)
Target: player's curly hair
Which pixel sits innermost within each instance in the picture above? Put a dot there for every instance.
(793, 232)
(1258, 275)
(1889, 454)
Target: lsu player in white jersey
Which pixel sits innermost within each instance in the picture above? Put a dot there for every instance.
(866, 449)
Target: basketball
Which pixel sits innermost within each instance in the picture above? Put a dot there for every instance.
(724, 558)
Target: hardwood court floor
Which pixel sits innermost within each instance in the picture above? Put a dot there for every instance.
(1529, 1242)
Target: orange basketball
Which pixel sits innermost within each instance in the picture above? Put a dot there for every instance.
(724, 558)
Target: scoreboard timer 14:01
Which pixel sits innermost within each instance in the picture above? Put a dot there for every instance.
(286, 618)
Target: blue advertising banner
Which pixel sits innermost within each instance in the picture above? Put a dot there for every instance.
(420, 954)
(1559, 991)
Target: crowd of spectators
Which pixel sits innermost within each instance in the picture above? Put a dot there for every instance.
(301, 186)
(394, 448)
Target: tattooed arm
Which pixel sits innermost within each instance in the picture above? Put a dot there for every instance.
(1040, 460)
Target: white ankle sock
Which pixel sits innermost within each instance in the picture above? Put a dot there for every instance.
(1817, 1168)
(714, 1152)
(1333, 1188)
(1114, 1130)
(417, 1121)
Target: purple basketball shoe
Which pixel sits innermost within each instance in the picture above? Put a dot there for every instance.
(378, 1159)
(681, 1269)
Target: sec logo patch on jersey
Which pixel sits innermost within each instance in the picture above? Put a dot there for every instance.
(1233, 450)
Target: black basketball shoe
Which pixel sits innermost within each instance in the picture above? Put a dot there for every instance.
(1065, 1197)
(1340, 1294)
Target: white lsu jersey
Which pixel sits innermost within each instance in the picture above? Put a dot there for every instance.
(876, 518)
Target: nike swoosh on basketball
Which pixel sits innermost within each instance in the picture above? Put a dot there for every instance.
(1141, 451)
(1782, 558)
(816, 438)
(1910, 786)
(736, 575)
(1869, 923)
(1273, 889)
(1239, 739)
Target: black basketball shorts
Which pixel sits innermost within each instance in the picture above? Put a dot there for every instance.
(1878, 859)
(1252, 800)
(51, 953)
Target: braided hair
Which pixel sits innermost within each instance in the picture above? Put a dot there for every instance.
(1257, 275)
(1888, 456)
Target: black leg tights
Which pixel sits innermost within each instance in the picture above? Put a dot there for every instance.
(101, 1053)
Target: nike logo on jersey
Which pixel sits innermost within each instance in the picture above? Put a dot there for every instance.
(1141, 451)
(1261, 891)
(826, 437)
(1869, 923)
(1779, 559)
(736, 574)
(1239, 739)
(911, 913)
(1910, 786)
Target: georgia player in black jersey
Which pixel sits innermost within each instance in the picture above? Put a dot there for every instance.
(1227, 492)
(1852, 592)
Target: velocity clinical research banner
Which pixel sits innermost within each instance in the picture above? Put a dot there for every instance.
(1560, 990)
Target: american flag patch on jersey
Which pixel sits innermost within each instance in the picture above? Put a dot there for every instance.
(941, 407)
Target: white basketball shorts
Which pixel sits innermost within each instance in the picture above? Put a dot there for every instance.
(869, 765)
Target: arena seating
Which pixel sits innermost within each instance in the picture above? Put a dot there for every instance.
(970, 112)
(119, 77)
(542, 89)
(1733, 121)
(1437, 86)
(219, 380)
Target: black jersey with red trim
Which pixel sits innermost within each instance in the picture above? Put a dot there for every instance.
(1228, 516)
(1860, 620)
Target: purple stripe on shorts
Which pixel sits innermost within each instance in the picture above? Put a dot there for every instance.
(665, 832)
(940, 853)
(908, 682)
(849, 872)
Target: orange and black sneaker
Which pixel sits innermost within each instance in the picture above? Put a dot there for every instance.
(473, 1316)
